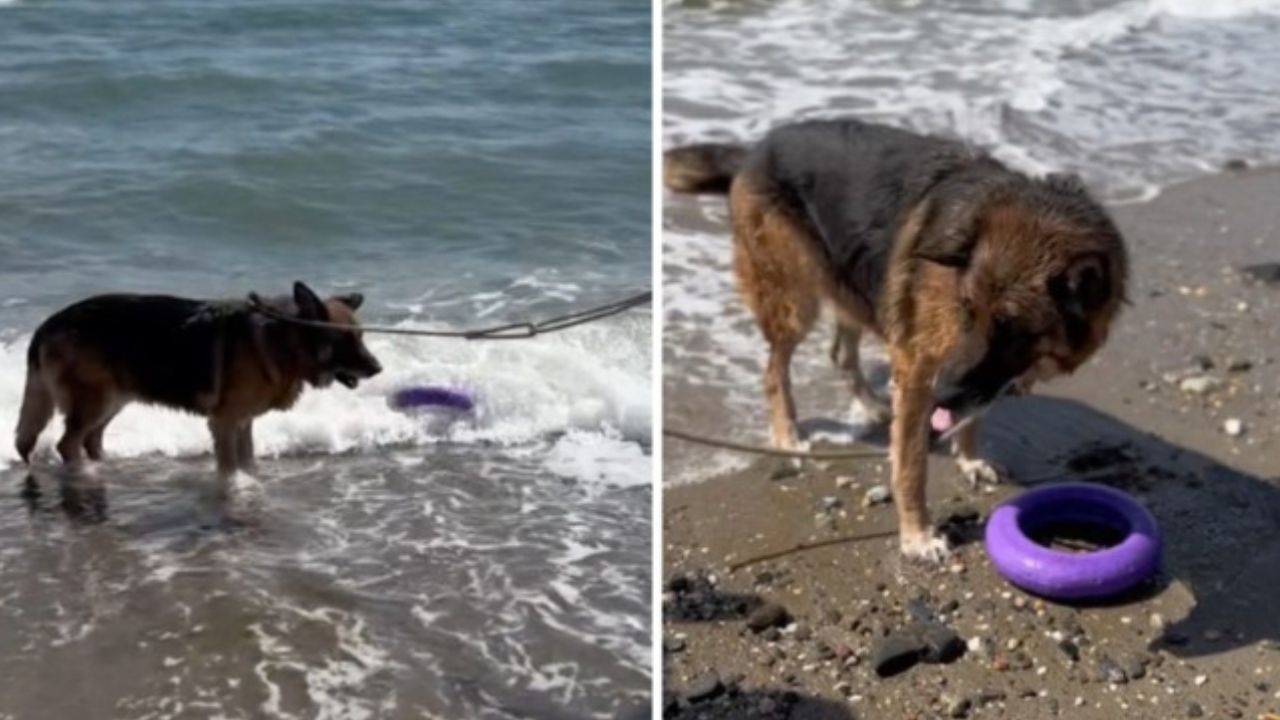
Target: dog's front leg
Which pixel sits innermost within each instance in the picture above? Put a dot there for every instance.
(245, 459)
(974, 468)
(909, 456)
(225, 443)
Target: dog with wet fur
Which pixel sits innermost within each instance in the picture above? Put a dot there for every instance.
(227, 361)
(981, 280)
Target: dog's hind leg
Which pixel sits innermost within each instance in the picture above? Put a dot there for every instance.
(86, 409)
(776, 278)
(845, 356)
(93, 440)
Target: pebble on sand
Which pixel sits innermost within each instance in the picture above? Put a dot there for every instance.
(1233, 427)
(877, 495)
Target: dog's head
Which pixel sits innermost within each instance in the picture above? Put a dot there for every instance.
(332, 354)
(1039, 274)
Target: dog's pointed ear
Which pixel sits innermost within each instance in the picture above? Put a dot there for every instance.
(351, 300)
(1069, 183)
(309, 304)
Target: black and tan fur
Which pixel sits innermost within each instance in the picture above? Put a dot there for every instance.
(980, 280)
(223, 360)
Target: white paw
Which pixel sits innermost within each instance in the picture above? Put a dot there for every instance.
(925, 546)
(980, 472)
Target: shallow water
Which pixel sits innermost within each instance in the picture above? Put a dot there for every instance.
(459, 167)
(1132, 94)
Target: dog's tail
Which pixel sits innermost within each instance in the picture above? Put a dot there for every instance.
(37, 404)
(702, 168)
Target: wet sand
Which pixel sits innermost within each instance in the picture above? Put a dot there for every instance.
(1203, 640)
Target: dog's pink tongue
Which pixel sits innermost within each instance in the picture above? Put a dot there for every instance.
(941, 420)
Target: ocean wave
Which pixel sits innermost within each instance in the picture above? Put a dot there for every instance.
(591, 381)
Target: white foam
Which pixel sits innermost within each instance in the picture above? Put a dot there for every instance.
(592, 381)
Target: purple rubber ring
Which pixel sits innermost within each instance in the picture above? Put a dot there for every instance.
(1061, 575)
(418, 397)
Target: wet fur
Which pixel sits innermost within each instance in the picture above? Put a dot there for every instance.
(974, 275)
(218, 359)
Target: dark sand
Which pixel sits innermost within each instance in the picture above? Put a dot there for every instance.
(1204, 640)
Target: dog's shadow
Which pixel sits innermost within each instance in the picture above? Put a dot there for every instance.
(1220, 526)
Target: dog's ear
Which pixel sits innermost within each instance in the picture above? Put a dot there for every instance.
(310, 306)
(351, 300)
(1068, 183)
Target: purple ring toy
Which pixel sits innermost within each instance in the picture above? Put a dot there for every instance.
(419, 397)
(1059, 575)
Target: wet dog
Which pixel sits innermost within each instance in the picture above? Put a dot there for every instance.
(980, 280)
(225, 360)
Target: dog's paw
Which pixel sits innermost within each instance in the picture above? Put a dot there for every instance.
(980, 472)
(925, 546)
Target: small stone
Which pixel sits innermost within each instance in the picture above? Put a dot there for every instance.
(1110, 672)
(1239, 365)
(1212, 635)
(1070, 649)
(830, 503)
(1201, 680)
(1194, 710)
(1233, 427)
(958, 707)
(845, 481)
(1236, 165)
(877, 495)
(706, 686)
(1157, 622)
(674, 645)
(1199, 384)
(1136, 667)
(768, 615)
(801, 632)
(1012, 644)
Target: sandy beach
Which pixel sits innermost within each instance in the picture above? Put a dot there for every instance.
(1179, 409)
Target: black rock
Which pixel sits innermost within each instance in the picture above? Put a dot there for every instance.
(1236, 165)
(1070, 649)
(941, 643)
(896, 653)
(918, 642)
(767, 616)
(678, 584)
(959, 708)
(1265, 273)
(706, 686)
(1194, 710)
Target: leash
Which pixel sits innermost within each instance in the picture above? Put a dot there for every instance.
(509, 331)
(776, 452)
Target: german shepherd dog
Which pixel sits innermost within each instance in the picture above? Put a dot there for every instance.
(980, 280)
(225, 360)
